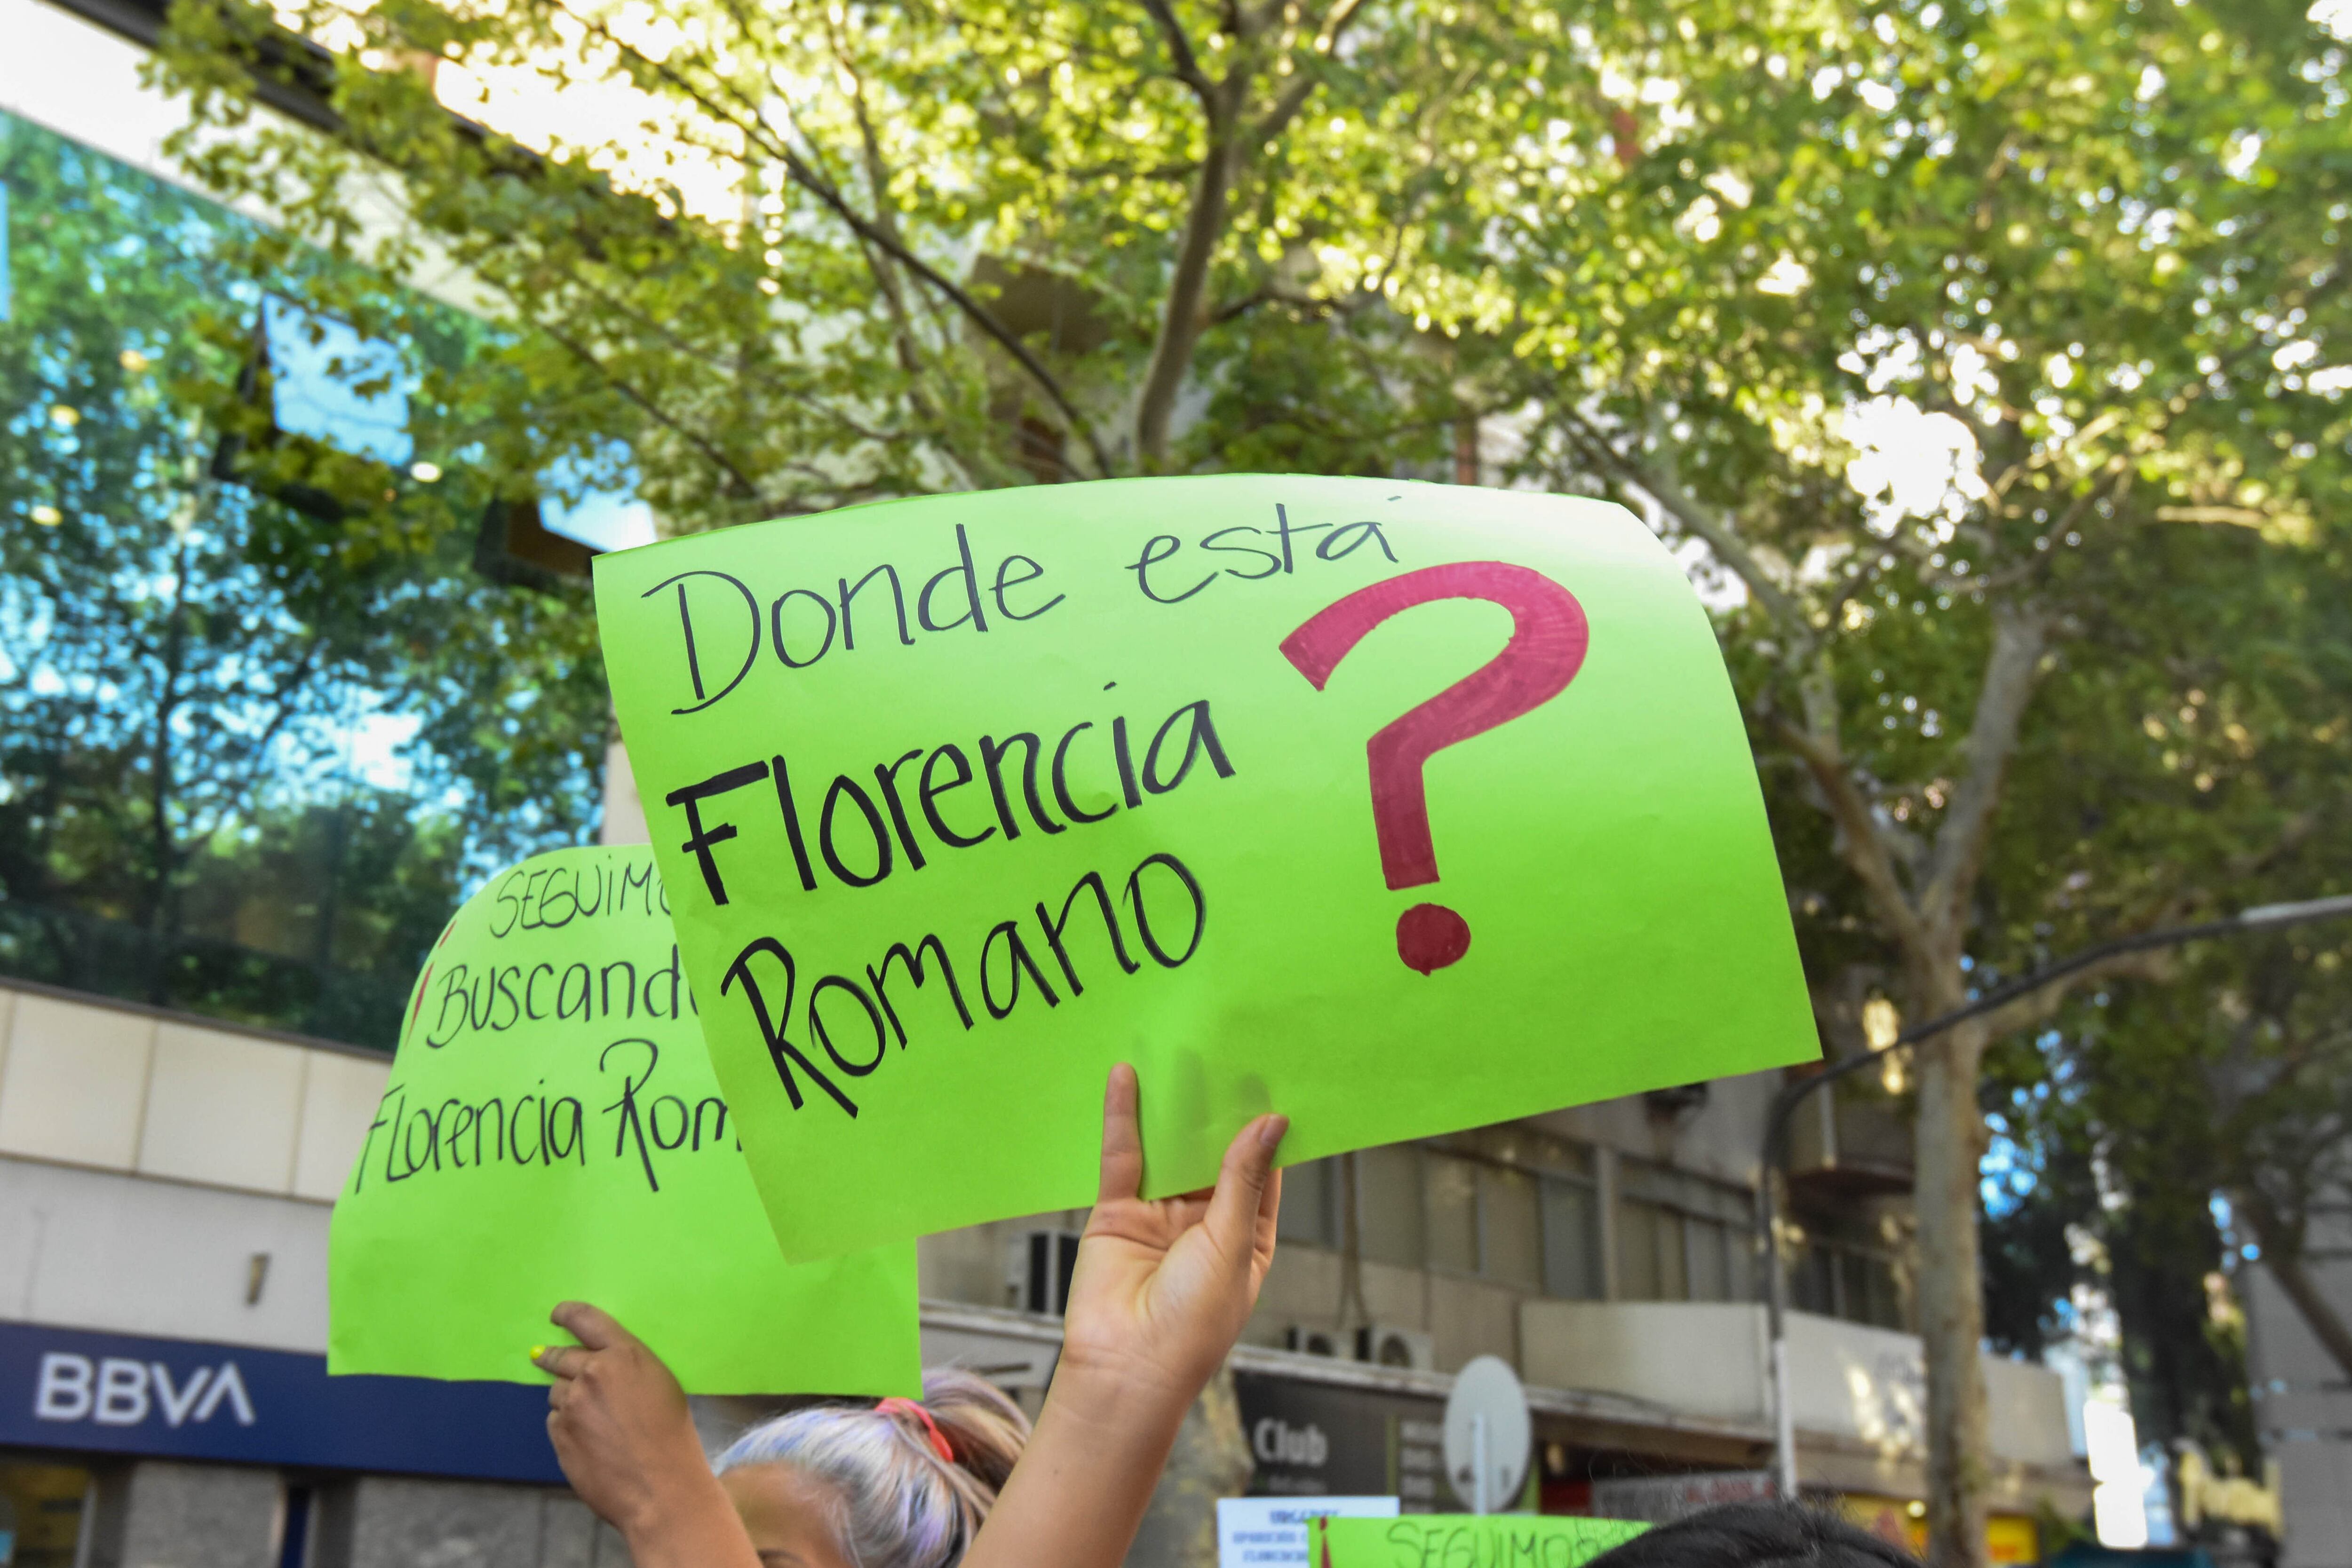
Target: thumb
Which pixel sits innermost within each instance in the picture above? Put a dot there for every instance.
(1242, 1183)
(1122, 1141)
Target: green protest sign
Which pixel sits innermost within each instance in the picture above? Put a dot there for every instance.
(551, 1131)
(1466, 1541)
(1398, 808)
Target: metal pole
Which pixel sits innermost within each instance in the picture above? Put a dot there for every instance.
(1776, 1312)
(2261, 917)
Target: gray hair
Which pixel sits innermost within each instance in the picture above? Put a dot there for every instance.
(896, 1503)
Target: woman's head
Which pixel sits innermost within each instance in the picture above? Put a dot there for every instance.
(1756, 1535)
(848, 1487)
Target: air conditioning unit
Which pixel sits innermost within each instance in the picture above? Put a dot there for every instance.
(1037, 1268)
(1307, 1339)
(1385, 1344)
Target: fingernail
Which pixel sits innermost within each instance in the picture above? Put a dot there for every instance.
(1270, 1132)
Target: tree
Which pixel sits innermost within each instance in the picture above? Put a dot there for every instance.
(2091, 247)
(2084, 1203)
(862, 251)
(2231, 1083)
(932, 248)
(186, 661)
(2231, 1078)
(2090, 244)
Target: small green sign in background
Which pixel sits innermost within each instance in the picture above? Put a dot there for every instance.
(1465, 1540)
(551, 1131)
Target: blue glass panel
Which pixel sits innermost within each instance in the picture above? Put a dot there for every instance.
(318, 365)
(601, 516)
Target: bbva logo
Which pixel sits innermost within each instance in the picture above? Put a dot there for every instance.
(116, 1391)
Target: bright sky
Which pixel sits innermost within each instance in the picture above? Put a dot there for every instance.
(674, 150)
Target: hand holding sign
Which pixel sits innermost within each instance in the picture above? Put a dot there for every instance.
(1165, 1286)
(965, 798)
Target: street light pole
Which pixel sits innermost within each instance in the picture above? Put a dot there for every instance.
(2263, 917)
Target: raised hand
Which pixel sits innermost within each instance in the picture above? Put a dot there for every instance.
(1160, 1292)
(1163, 1287)
(627, 1442)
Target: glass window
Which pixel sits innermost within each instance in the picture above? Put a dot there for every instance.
(1651, 1265)
(1510, 1247)
(1571, 1240)
(1809, 1288)
(350, 749)
(1867, 1292)
(1739, 1259)
(328, 383)
(1452, 1188)
(1710, 1268)
(42, 1509)
(1388, 1204)
(1838, 1281)
(1308, 1206)
(594, 500)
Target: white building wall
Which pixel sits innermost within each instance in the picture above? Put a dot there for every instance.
(2303, 1401)
(159, 1176)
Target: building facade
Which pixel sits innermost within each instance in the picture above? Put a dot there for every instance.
(2303, 1403)
(166, 1178)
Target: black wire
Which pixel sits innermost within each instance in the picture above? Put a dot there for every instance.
(2266, 917)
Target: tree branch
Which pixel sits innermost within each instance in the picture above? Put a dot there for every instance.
(803, 175)
(745, 484)
(2012, 671)
(1186, 64)
(1859, 842)
(1721, 534)
(2155, 966)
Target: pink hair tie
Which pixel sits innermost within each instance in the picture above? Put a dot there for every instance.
(897, 1406)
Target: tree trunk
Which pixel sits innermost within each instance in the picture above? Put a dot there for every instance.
(1950, 1136)
(1187, 293)
(2284, 1259)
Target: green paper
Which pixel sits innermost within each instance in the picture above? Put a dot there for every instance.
(1607, 849)
(552, 1132)
(1467, 1541)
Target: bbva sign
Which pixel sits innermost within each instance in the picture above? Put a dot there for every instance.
(118, 1391)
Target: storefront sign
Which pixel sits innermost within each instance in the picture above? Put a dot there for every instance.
(1315, 1439)
(2010, 1538)
(1265, 1532)
(121, 1394)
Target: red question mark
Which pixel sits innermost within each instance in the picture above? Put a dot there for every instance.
(1548, 636)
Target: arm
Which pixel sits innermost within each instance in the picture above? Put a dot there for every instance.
(1160, 1292)
(621, 1430)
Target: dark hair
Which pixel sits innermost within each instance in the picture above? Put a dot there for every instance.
(1756, 1535)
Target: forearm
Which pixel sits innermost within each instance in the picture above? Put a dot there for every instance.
(1080, 1491)
(694, 1526)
